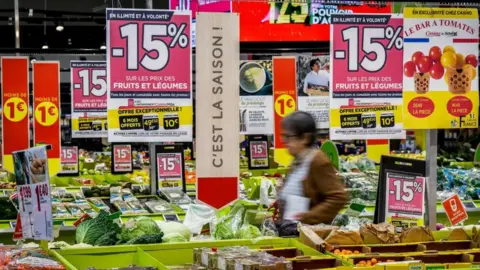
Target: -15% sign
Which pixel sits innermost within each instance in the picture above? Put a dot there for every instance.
(404, 190)
(15, 109)
(123, 153)
(69, 154)
(46, 113)
(258, 149)
(93, 82)
(369, 40)
(169, 165)
(150, 45)
(284, 105)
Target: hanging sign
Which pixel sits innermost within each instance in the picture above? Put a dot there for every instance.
(149, 75)
(440, 59)
(455, 210)
(217, 108)
(69, 160)
(258, 152)
(122, 158)
(89, 99)
(33, 188)
(285, 102)
(170, 166)
(15, 100)
(366, 98)
(46, 110)
(256, 100)
(401, 192)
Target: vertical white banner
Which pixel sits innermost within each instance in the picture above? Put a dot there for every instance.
(217, 108)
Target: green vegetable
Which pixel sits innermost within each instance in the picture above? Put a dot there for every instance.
(146, 239)
(174, 238)
(228, 226)
(89, 231)
(174, 227)
(249, 232)
(108, 239)
(138, 226)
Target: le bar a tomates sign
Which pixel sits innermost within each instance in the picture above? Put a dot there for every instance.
(89, 99)
(217, 106)
(149, 78)
(46, 110)
(15, 122)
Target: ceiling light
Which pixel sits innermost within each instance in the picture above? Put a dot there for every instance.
(30, 13)
(59, 26)
(103, 47)
(45, 46)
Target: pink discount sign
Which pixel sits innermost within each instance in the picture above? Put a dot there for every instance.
(89, 86)
(149, 53)
(122, 158)
(405, 194)
(69, 154)
(169, 165)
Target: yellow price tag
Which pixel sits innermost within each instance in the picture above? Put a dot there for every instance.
(15, 109)
(285, 105)
(46, 113)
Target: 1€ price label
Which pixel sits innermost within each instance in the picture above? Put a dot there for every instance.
(15, 109)
(169, 164)
(285, 105)
(46, 113)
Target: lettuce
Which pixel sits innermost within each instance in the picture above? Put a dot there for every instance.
(137, 227)
(249, 232)
(174, 238)
(89, 231)
(174, 227)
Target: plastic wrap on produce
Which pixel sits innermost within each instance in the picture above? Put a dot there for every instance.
(465, 183)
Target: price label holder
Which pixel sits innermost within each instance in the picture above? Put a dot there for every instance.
(258, 152)
(455, 209)
(470, 205)
(169, 169)
(170, 217)
(401, 192)
(13, 224)
(122, 161)
(69, 161)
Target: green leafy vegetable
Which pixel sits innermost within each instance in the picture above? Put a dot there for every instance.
(108, 239)
(248, 231)
(174, 237)
(137, 227)
(228, 226)
(146, 239)
(89, 231)
(174, 227)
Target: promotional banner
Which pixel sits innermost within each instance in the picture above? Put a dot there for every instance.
(217, 107)
(256, 100)
(89, 99)
(258, 152)
(285, 102)
(405, 197)
(366, 91)
(33, 189)
(290, 21)
(313, 83)
(440, 59)
(200, 6)
(15, 100)
(46, 110)
(69, 160)
(169, 170)
(122, 158)
(149, 75)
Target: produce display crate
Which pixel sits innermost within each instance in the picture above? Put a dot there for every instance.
(450, 245)
(182, 253)
(105, 258)
(448, 259)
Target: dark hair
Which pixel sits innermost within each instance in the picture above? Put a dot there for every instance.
(313, 62)
(300, 124)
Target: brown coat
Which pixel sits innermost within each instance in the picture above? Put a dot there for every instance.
(326, 191)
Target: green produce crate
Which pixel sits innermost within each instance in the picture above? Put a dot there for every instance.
(166, 254)
(107, 258)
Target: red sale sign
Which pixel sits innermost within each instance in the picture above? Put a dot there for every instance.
(46, 107)
(455, 210)
(122, 158)
(15, 122)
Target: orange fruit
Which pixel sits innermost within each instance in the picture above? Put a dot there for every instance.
(374, 260)
(356, 252)
(362, 262)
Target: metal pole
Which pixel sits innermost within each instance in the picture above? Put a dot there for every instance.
(148, 4)
(431, 191)
(17, 24)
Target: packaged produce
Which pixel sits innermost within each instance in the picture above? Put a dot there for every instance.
(159, 206)
(127, 195)
(123, 207)
(86, 208)
(115, 194)
(74, 209)
(137, 207)
(416, 234)
(98, 203)
(228, 226)
(383, 233)
(60, 211)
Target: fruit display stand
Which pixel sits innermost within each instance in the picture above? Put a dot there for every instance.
(179, 256)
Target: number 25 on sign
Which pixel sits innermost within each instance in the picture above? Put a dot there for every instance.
(46, 113)
(285, 105)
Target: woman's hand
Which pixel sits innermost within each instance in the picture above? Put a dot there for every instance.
(274, 205)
